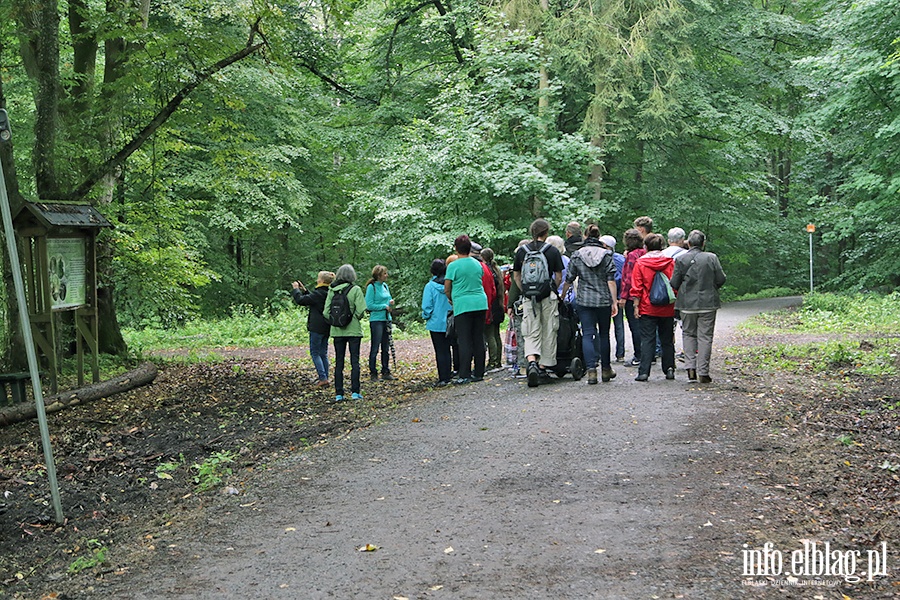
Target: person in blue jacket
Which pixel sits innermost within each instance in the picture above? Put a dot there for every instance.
(435, 307)
(379, 304)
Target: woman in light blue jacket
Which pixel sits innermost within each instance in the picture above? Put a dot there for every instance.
(379, 304)
(435, 307)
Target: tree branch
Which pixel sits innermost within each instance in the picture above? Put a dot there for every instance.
(117, 160)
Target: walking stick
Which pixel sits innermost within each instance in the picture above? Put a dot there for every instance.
(390, 334)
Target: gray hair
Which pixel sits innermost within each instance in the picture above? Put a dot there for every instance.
(696, 239)
(676, 235)
(573, 228)
(558, 243)
(345, 273)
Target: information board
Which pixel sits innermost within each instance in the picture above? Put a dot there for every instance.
(67, 272)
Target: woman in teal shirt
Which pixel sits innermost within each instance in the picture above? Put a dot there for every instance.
(463, 285)
(379, 304)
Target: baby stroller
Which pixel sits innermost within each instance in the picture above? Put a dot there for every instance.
(569, 352)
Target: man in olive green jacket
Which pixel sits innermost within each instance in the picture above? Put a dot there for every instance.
(350, 335)
(697, 277)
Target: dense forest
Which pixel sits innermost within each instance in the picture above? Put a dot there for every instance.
(237, 145)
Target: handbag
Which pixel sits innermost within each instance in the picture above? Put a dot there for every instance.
(451, 325)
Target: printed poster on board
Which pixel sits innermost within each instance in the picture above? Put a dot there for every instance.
(67, 272)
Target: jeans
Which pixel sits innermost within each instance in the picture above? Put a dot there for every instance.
(318, 349)
(664, 327)
(441, 354)
(595, 335)
(470, 333)
(619, 326)
(340, 348)
(380, 340)
(634, 325)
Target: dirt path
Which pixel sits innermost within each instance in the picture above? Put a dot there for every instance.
(493, 490)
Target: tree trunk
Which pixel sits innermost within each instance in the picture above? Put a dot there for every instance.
(143, 375)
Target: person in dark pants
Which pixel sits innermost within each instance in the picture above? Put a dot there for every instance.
(634, 249)
(379, 303)
(316, 325)
(463, 285)
(349, 336)
(435, 307)
(654, 319)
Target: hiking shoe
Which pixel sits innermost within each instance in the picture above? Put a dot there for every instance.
(705, 379)
(670, 373)
(323, 383)
(592, 376)
(642, 377)
(692, 374)
(620, 359)
(373, 376)
(462, 380)
(356, 396)
(387, 376)
(607, 374)
(534, 375)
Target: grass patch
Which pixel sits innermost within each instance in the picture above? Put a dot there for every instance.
(876, 358)
(244, 328)
(834, 313)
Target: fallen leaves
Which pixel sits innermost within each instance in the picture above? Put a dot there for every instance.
(368, 548)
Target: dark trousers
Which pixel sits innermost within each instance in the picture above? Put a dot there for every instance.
(470, 333)
(595, 335)
(340, 348)
(494, 345)
(380, 341)
(441, 354)
(619, 328)
(634, 326)
(651, 327)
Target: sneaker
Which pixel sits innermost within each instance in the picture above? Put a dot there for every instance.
(607, 374)
(534, 374)
(642, 377)
(339, 398)
(323, 383)
(356, 396)
(692, 374)
(462, 380)
(680, 357)
(592, 376)
(634, 361)
(373, 376)
(620, 359)
(670, 373)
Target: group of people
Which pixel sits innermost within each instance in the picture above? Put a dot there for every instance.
(468, 298)
(376, 300)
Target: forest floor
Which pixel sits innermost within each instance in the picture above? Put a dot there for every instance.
(238, 479)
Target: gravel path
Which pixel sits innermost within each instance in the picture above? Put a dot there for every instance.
(492, 490)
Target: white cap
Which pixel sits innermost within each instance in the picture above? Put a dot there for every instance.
(609, 241)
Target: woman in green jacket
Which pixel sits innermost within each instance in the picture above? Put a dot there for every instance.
(350, 335)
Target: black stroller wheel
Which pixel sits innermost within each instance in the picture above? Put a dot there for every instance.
(577, 368)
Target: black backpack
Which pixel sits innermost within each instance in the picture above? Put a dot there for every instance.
(340, 314)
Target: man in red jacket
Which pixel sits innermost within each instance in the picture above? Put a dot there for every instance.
(653, 318)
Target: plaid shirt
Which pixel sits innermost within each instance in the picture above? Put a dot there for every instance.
(593, 289)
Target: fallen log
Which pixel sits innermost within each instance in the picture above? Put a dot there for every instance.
(142, 375)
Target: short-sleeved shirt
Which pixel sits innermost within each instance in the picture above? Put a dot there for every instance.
(554, 258)
(467, 293)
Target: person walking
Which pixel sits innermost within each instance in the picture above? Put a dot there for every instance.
(496, 313)
(697, 277)
(379, 304)
(316, 325)
(634, 249)
(463, 286)
(592, 265)
(435, 307)
(538, 272)
(349, 336)
(619, 316)
(656, 320)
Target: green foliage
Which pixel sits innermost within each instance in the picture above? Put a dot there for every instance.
(212, 470)
(96, 557)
